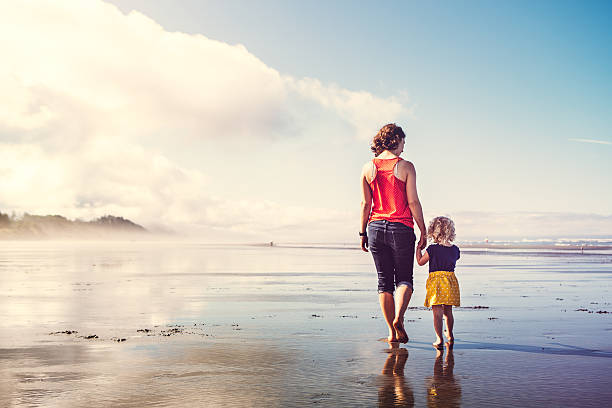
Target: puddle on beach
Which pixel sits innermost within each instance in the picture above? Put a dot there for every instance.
(133, 324)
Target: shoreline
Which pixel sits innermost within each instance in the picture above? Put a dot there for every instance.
(564, 247)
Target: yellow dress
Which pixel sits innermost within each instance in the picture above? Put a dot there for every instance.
(442, 289)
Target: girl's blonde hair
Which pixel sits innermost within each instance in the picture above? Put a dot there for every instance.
(441, 230)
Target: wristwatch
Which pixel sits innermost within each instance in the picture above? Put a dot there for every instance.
(363, 234)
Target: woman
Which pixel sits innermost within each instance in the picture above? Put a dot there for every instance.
(389, 208)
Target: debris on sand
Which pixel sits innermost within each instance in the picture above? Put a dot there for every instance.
(473, 307)
(172, 331)
(582, 310)
(315, 315)
(492, 318)
(64, 332)
(349, 316)
(168, 330)
(90, 337)
(602, 312)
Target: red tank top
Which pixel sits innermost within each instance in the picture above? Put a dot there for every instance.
(389, 194)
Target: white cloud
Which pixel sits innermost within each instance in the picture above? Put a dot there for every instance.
(604, 142)
(87, 90)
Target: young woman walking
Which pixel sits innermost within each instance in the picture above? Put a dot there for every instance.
(390, 207)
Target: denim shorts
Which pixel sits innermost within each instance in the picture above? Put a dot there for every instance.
(392, 247)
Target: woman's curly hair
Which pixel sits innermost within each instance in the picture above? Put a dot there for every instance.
(441, 230)
(387, 138)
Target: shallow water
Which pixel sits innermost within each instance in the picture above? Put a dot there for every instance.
(272, 326)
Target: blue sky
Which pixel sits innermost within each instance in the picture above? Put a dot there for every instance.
(500, 86)
(502, 104)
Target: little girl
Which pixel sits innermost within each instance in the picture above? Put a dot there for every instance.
(442, 286)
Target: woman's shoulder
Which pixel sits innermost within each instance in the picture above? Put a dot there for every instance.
(367, 171)
(367, 167)
(405, 168)
(407, 164)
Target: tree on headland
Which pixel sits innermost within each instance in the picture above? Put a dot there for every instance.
(5, 221)
(49, 226)
(110, 220)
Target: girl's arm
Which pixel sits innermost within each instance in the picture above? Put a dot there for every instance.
(421, 258)
(366, 207)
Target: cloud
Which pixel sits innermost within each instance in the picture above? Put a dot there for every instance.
(604, 142)
(89, 90)
(125, 73)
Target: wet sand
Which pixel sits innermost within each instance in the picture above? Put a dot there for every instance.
(184, 324)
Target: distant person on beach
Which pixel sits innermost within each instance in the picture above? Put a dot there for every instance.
(442, 285)
(389, 208)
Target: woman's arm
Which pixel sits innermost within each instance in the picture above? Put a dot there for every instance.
(414, 203)
(422, 259)
(366, 206)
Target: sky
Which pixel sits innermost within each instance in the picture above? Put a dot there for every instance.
(244, 121)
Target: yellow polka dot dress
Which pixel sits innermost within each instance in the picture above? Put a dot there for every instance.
(442, 287)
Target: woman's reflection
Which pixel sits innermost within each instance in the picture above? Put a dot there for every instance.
(442, 389)
(394, 391)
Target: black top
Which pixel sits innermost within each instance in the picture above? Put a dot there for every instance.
(442, 258)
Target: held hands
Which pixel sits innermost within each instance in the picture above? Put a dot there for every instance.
(422, 242)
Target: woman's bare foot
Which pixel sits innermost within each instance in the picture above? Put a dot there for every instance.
(438, 344)
(449, 337)
(402, 336)
(392, 338)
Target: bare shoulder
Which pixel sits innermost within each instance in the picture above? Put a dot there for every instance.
(367, 168)
(406, 164)
(367, 172)
(406, 168)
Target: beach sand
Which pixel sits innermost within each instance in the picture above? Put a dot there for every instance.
(187, 324)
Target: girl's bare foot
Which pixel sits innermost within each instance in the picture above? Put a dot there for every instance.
(402, 336)
(438, 345)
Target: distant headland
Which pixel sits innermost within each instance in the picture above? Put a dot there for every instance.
(31, 226)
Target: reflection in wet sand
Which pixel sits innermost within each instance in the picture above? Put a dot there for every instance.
(442, 389)
(248, 326)
(393, 390)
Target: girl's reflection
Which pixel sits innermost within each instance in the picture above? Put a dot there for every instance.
(442, 389)
(394, 391)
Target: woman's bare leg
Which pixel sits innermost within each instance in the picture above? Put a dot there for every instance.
(438, 312)
(387, 305)
(403, 294)
(450, 322)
